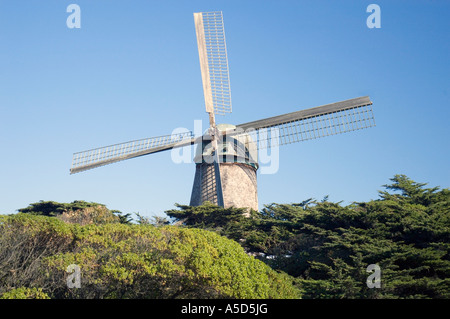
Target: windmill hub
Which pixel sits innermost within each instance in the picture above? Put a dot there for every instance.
(231, 149)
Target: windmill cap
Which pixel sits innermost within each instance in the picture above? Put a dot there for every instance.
(232, 149)
(225, 127)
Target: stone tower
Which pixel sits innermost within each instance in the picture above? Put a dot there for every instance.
(238, 166)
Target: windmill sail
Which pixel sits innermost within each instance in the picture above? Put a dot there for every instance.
(93, 158)
(212, 52)
(321, 121)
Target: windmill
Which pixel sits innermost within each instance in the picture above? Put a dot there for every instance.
(226, 158)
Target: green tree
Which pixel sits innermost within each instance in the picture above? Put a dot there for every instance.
(51, 208)
(327, 247)
(77, 211)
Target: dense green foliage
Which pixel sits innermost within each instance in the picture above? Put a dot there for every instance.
(128, 261)
(78, 211)
(51, 208)
(327, 247)
(25, 293)
(321, 248)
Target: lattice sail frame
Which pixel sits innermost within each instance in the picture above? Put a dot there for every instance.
(93, 158)
(213, 61)
(326, 120)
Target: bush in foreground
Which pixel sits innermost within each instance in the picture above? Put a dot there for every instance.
(129, 261)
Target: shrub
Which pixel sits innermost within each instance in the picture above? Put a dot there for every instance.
(131, 261)
(25, 293)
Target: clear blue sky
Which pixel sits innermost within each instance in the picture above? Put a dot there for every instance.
(131, 71)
